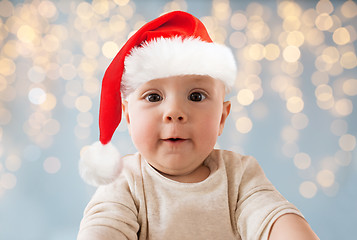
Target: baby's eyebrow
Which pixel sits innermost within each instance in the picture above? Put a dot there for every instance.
(146, 91)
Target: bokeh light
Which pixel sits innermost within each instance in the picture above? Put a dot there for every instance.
(291, 53)
(47, 9)
(339, 127)
(324, 22)
(244, 125)
(37, 96)
(7, 66)
(295, 104)
(83, 103)
(325, 178)
(296, 83)
(350, 87)
(110, 49)
(289, 134)
(324, 7)
(302, 160)
(343, 158)
(308, 189)
(299, 121)
(52, 165)
(349, 9)
(245, 97)
(341, 36)
(347, 142)
(348, 60)
(13, 163)
(343, 107)
(271, 52)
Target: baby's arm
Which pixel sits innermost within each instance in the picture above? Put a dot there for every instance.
(291, 226)
(111, 214)
(263, 213)
(108, 221)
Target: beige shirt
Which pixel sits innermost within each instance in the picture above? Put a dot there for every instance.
(236, 201)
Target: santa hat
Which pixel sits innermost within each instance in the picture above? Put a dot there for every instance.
(175, 43)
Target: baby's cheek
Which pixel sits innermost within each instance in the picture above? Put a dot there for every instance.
(142, 133)
(208, 133)
(210, 126)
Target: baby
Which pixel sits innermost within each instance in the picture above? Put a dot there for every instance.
(173, 80)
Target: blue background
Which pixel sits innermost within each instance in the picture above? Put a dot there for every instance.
(41, 193)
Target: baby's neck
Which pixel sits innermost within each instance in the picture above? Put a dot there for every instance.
(198, 175)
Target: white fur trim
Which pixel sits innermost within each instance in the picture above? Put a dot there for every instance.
(100, 164)
(165, 57)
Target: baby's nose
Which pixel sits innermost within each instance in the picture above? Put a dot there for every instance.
(175, 113)
(179, 118)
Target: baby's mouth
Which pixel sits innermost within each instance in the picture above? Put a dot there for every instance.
(174, 140)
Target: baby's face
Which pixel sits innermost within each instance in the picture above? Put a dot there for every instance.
(174, 122)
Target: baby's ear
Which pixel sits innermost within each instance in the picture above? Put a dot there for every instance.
(225, 112)
(125, 109)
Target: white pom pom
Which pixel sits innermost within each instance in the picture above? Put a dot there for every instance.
(100, 164)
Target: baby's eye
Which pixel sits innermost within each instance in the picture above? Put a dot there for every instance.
(196, 97)
(153, 97)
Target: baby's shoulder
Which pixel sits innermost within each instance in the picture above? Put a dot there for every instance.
(231, 158)
(130, 168)
(131, 161)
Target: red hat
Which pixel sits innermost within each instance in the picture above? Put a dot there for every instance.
(176, 43)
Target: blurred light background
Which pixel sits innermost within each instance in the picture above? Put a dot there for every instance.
(294, 103)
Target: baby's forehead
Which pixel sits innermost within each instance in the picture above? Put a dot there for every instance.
(187, 78)
(186, 81)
